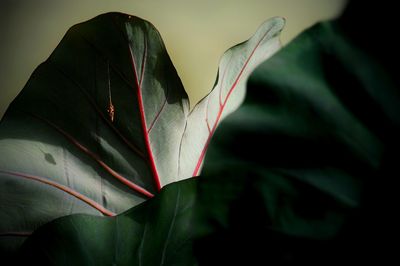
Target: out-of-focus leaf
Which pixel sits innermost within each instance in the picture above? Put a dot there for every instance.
(299, 173)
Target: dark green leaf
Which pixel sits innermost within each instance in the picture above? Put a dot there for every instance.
(302, 166)
(157, 232)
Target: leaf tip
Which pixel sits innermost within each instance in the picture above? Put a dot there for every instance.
(274, 24)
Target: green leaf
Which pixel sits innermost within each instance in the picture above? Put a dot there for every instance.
(157, 232)
(64, 151)
(299, 174)
(229, 91)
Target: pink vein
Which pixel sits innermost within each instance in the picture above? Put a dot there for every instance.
(94, 156)
(143, 121)
(208, 126)
(63, 188)
(143, 61)
(221, 108)
(159, 111)
(158, 114)
(207, 122)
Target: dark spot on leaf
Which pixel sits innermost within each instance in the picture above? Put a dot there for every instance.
(49, 158)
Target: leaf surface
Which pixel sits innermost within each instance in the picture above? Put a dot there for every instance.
(297, 175)
(304, 172)
(104, 123)
(228, 93)
(157, 232)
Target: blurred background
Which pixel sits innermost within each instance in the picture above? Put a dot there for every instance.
(196, 33)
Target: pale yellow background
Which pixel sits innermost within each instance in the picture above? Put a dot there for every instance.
(196, 33)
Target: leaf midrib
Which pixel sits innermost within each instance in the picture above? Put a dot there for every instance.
(138, 81)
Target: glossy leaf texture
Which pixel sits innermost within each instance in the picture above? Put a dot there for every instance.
(304, 172)
(104, 123)
(157, 232)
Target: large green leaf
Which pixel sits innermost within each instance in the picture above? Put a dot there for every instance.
(302, 172)
(157, 232)
(61, 149)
